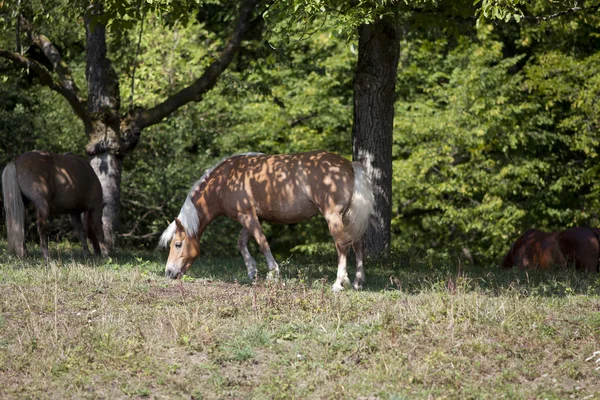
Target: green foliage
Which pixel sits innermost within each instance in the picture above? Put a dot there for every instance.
(486, 148)
(293, 19)
(499, 9)
(495, 129)
(507, 10)
(274, 100)
(15, 108)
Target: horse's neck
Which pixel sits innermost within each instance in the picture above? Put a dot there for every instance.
(208, 204)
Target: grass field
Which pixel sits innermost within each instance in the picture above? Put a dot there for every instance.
(422, 328)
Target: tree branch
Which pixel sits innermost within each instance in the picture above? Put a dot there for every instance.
(18, 30)
(53, 55)
(47, 80)
(146, 117)
(61, 68)
(561, 13)
(137, 53)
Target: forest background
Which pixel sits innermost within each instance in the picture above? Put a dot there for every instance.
(495, 125)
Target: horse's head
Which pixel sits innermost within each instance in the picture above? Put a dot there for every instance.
(184, 249)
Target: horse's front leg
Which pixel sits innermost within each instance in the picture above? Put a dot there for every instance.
(242, 246)
(93, 230)
(252, 224)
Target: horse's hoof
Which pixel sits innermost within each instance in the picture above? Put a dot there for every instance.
(337, 287)
(273, 275)
(357, 285)
(346, 282)
(252, 275)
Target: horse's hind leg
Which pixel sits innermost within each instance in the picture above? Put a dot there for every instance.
(359, 280)
(91, 227)
(76, 221)
(336, 228)
(252, 224)
(242, 245)
(42, 211)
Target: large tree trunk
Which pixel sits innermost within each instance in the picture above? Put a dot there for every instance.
(103, 131)
(107, 166)
(374, 88)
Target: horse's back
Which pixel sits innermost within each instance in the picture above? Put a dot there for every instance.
(77, 184)
(534, 249)
(66, 182)
(326, 178)
(288, 187)
(580, 246)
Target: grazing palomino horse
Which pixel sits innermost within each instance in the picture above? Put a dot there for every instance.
(538, 249)
(285, 188)
(55, 184)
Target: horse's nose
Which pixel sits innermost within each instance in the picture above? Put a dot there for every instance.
(170, 274)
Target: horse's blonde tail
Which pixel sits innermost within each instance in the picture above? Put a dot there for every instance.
(361, 207)
(14, 210)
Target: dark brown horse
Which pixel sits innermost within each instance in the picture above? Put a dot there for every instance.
(538, 249)
(285, 188)
(55, 184)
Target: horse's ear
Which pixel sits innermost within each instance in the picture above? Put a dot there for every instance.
(179, 225)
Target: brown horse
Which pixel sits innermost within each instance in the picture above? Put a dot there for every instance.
(55, 184)
(285, 188)
(538, 249)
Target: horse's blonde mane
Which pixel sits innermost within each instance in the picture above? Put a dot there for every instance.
(188, 215)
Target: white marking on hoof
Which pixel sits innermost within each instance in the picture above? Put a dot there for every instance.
(337, 287)
(345, 281)
(273, 275)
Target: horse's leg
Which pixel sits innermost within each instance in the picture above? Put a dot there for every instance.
(95, 226)
(252, 224)
(42, 212)
(336, 228)
(359, 280)
(90, 230)
(76, 221)
(242, 246)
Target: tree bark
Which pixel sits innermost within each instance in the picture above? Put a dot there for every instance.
(103, 131)
(108, 168)
(372, 133)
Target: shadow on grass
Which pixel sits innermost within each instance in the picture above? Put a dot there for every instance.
(66, 252)
(415, 273)
(400, 271)
(408, 272)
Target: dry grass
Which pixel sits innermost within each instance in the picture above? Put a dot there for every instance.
(117, 329)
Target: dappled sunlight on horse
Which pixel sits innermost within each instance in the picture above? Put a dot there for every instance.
(538, 249)
(253, 187)
(55, 184)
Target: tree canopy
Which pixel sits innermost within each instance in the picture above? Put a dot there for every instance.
(495, 114)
